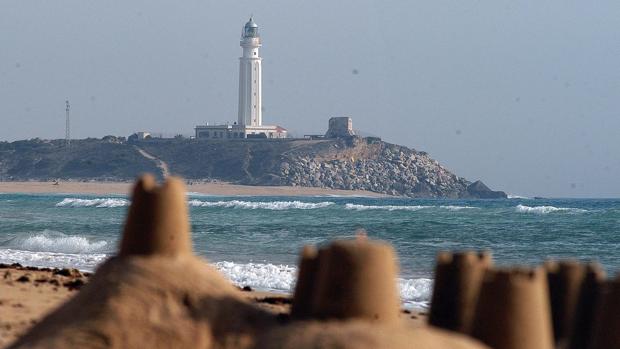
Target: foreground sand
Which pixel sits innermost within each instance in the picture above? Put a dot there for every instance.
(27, 294)
(216, 188)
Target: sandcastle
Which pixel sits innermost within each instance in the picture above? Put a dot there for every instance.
(458, 277)
(513, 310)
(567, 281)
(606, 331)
(565, 304)
(156, 294)
(590, 295)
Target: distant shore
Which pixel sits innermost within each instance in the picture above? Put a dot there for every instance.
(215, 188)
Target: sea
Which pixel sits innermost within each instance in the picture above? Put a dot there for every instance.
(255, 241)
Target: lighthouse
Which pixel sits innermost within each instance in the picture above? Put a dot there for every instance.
(249, 122)
(250, 75)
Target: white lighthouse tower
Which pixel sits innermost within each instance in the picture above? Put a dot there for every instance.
(250, 75)
(250, 117)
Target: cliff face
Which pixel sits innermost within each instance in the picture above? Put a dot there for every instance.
(379, 167)
(352, 163)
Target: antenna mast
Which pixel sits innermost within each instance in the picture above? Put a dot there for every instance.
(67, 126)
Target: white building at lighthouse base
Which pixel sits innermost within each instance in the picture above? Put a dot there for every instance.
(239, 131)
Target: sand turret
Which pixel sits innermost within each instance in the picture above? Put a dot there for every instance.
(565, 279)
(157, 222)
(513, 310)
(306, 278)
(352, 279)
(587, 304)
(458, 277)
(606, 333)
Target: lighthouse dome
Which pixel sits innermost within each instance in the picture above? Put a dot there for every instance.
(250, 30)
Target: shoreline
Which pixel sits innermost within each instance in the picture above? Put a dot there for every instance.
(215, 188)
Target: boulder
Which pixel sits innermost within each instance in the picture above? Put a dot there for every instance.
(479, 190)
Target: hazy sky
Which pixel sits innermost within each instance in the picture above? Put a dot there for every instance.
(523, 95)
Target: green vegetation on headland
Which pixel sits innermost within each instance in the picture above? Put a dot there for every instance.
(350, 163)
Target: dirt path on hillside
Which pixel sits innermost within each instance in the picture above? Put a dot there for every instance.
(158, 162)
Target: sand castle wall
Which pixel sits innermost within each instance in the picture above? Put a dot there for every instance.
(513, 310)
(458, 277)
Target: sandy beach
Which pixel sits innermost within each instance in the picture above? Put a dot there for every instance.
(215, 188)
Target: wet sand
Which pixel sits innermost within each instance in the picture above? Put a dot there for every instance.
(214, 188)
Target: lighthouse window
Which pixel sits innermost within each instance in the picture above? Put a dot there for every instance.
(254, 53)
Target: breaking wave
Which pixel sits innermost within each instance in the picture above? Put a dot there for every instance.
(357, 207)
(253, 205)
(102, 202)
(273, 205)
(416, 292)
(281, 278)
(511, 196)
(85, 262)
(547, 209)
(51, 241)
(270, 277)
(54, 249)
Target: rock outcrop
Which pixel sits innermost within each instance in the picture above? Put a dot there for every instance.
(379, 167)
(480, 190)
(347, 162)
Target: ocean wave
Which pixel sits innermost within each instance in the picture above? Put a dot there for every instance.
(266, 205)
(85, 262)
(416, 292)
(511, 196)
(458, 208)
(357, 207)
(281, 278)
(547, 209)
(270, 277)
(51, 241)
(100, 202)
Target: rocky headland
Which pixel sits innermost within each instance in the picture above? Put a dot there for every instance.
(350, 163)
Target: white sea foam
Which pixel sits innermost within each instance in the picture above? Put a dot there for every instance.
(511, 196)
(52, 241)
(66, 244)
(416, 293)
(547, 209)
(458, 208)
(270, 277)
(100, 202)
(281, 278)
(266, 205)
(86, 262)
(357, 207)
